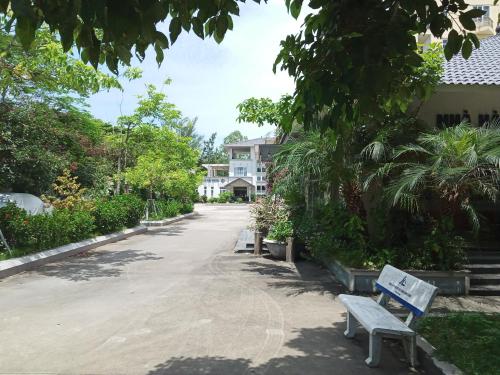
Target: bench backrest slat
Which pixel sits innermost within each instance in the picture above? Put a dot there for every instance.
(415, 294)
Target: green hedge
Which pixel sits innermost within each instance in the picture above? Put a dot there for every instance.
(117, 212)
(30, 233)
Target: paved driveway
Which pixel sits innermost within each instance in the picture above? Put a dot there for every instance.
(178, 301)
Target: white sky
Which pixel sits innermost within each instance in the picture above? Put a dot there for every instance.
(209, 80)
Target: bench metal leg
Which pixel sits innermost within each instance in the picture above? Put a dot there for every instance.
(413, 351)
(375, 350)
(410, 345)
(350, 332)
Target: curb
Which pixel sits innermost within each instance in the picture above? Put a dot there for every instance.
(160, 223)
(10, 267)
(445, 367)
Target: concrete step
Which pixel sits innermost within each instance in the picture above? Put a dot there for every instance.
(485, 290)
(485, 279)
(484, 259)
(484, 268)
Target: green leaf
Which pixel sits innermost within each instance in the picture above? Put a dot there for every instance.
(222, 25)
(230, 24)
(233, 8)
(159, 54)
(198, 27)
(112, 63)
(454, 42)
(467, 49)
(25, 31)
(475, 13)
(467, 22)
(473, 37)
(295, 8)
(161, 39)
(175, 29)
(4, 5)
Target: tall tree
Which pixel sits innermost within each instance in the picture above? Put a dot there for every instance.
(235, 137)
(211, 154)
(187, 128)
(153, 110)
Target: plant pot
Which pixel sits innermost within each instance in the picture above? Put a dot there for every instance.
(276, 248)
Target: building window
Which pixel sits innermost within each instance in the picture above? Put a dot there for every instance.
(263, 169)
(258, 169)
(212, 191)
(485, 19)
(240, 171)
(259, 178)
(204, 190)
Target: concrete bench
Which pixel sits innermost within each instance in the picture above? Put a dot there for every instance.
(414, 294)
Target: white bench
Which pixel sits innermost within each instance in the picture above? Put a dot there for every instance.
(414, 294)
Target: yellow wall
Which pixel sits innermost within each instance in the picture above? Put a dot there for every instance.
(482, 30)
(451, 99)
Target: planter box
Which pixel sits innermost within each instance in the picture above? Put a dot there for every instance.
(363, 281)
(12, 266)
(276, 248)
(170, 220)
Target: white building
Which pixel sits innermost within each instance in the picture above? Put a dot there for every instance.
(244, 176)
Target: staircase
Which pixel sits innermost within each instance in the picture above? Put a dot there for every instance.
(484, 265)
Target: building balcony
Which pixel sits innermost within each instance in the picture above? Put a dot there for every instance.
(484, 26)
(215, 180)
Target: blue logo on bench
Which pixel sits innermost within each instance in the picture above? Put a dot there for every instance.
(403, 282)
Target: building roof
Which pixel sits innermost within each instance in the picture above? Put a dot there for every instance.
(481, 68)
(231, 182)
(251, 142)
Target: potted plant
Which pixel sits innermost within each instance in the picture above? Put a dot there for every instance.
(276, 239)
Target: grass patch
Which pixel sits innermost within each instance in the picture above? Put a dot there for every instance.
(471, 341)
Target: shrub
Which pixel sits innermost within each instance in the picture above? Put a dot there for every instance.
(44, 231)
(115, 213)
(203, 199)
(224, 197)
(187, 207)
(213, 200)
(167, 208)
(281, 230)
(11, 224)
(110, 215)
(134, 206)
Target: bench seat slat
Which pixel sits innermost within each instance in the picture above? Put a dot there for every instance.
(373, 317)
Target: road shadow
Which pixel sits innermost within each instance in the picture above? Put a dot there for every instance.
(95, 264)
(303, 277)
(319, 351)
(169, 231)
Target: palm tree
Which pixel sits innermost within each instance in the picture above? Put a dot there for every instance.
(456, 164)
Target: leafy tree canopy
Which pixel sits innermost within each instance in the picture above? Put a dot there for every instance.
(211, 154)
(235, 137)
(347, 61)
(350, 57)
(44, 70)
(110, 31)
(263, 111)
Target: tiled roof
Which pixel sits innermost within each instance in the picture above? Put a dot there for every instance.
(251, 142)
(481, 68)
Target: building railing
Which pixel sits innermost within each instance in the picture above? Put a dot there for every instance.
(215, 180)
(484, 21)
